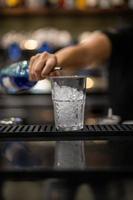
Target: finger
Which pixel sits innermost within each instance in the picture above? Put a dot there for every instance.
(38, 68)
(49, 66)
(58, 73)
(31, 66)
(38, 65)
(41, 64)
(31, 75)
(32, 59)
(55, 73)
(52, 74)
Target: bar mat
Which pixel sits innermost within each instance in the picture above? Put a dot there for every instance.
(49, 133)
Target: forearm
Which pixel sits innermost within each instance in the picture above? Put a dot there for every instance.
(94, 51)
(91, 53)
(74, 56)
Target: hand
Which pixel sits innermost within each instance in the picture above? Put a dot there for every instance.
(42, 65)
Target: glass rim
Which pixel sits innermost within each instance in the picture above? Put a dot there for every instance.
(67, 77)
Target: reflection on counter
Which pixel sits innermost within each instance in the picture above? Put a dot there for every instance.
(98, 156)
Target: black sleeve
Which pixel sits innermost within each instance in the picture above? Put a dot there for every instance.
(120, 68)
(122, 41)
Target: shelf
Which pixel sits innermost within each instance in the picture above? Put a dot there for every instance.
(18, 12)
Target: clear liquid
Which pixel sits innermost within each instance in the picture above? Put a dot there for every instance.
(69, 115)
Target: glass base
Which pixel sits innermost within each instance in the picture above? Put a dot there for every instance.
(73, 128)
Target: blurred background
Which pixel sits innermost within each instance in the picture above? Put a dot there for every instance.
(33, 26)
(29, 27)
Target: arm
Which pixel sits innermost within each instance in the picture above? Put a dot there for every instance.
(94, 51)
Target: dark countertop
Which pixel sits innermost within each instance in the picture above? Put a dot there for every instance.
(104, 159)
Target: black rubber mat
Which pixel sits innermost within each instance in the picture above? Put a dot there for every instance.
(48, 132)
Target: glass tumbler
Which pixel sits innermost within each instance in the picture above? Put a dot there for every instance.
(68, 95)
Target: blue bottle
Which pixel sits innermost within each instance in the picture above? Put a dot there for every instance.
(15, 77)
(46, 47)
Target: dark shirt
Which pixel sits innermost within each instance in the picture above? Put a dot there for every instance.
(121, 72)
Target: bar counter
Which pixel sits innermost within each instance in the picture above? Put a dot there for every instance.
(106, 160)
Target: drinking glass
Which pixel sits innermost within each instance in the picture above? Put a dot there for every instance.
(68, 95)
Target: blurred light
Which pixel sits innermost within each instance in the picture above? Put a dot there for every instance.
(30, 44)
(89, 83)
(84, 36)
(91, 121)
